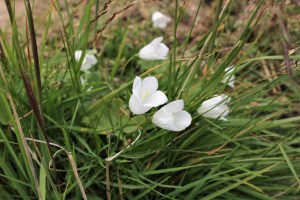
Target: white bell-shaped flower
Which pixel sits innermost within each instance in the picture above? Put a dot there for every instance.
(160, 20)
(145, 95)
(88, 60)
(155, 50)
(172, 117)
(229, 76)
(215, 107)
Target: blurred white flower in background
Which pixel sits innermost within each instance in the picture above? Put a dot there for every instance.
(172, 117)
(160, 20)
(215, 107)
(229, 76)
(83, 81)
(145, 95)
(88, 61)
(155, 50)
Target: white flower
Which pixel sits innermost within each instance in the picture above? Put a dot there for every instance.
(83, 81)
(145, 95)
(229, 76)
(155, 50)
(160, 20)
(172, 117)
(87, 62)
(215, 107)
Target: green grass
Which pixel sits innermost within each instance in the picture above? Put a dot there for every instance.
(56, 134)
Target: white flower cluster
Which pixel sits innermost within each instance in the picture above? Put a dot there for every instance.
(145, 93)
(156, 50)
(146, 96)
(171, 117)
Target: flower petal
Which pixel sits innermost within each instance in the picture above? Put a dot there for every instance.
(87, 62)
(215, 107)
(85, 66)
(229, 76)
(91, 59)
(78, 55)
(156, 99)
(149, 84)
(225, 99)
(212, 102)
(175, 106)
(223, 119)
(156, 16)
(160, 20)
(230, 69)
(137, 97)
(147, 53)
(156, 41)
(162, 51)
(183, 120)
(136, 107)
(166, 119)
(82, 81)
(215, 113)
(163, 119)
(231, 81)
(137, 83)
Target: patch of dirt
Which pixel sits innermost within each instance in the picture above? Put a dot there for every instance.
(139, 14)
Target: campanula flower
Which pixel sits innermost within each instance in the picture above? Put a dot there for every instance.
(160, 20)
(215, 107)
(172, 117)
(155, 50)
(145, 95)
(229, 76)
(88, 60)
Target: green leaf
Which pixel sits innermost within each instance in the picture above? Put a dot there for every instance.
(5, 111)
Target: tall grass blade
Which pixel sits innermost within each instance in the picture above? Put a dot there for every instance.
(34, 51)
(22, 140)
